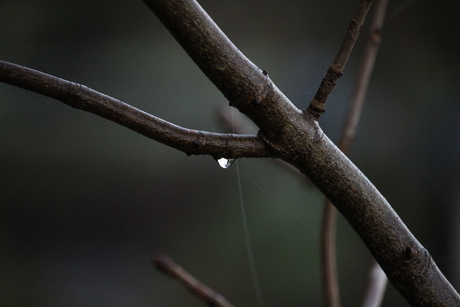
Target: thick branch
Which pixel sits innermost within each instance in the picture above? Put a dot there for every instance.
(297, 138)
(192, 142)
(335, 71)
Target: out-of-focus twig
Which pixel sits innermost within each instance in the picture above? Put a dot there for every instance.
(328, 240)
(169, 267)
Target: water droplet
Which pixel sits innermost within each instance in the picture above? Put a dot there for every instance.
(225, 163)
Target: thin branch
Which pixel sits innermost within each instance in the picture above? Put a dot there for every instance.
(328, 238)
(167, 265)
(192, 142)
(335, 71)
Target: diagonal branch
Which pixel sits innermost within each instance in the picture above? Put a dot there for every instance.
(192, 142)
(296, 137)
(335, 71)
(169, 267)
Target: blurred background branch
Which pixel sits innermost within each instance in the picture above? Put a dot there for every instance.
(167, 265)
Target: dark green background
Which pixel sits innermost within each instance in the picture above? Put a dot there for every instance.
(83, 201)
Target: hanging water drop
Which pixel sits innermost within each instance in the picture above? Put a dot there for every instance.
(225, 163)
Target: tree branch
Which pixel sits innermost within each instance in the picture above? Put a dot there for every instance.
(328, 238)
(169, 267)
(296, 137)
(335, 71)
(330, 280)
(285, 132)
(192, 142)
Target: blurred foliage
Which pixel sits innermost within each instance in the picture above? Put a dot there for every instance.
(83, 201)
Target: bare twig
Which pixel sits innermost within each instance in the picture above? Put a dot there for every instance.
(335, 71)
(192, 142)
(328, 239)
(169, 267)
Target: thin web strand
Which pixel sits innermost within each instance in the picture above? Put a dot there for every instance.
(247, 239)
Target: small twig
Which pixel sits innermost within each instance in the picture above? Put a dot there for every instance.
(335, 71)
(169, 267)
(328, 239)
(192, 142)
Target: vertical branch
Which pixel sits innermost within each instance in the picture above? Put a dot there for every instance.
(328, 238)
(328, 256)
